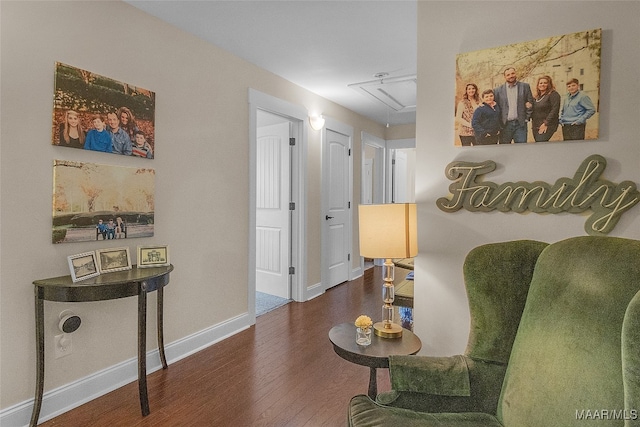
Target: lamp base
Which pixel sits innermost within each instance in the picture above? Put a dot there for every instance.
(395, 331)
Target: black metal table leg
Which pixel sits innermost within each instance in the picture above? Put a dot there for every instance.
(142, 348)
(37, 403)
(160, 322)
(373, 383)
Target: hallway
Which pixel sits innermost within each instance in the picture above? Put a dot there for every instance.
(281, 372)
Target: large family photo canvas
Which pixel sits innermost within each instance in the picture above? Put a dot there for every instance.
(101, 202)
(93, 112)
(553, 84)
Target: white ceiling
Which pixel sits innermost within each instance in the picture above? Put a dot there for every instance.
(323, 46)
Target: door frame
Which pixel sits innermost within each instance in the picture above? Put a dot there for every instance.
(344, 129)
(379, 172)
(391, 145)
(294, 113)
(380, 166)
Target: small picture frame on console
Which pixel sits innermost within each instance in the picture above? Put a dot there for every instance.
(83, 266)
(153, 256)
(113, 259)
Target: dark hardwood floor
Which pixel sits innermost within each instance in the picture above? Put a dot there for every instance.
(281, 372)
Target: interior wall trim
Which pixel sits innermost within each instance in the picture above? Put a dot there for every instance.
(357, 272)
(83, 390)
(299, 115)
(315, 290)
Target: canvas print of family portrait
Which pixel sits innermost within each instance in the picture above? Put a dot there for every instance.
(101, 202)
(531, 92)
(93, 112)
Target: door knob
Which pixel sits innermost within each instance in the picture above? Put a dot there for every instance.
(327, 217)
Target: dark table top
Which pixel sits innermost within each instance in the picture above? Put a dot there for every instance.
(118, 284)
(376, 355)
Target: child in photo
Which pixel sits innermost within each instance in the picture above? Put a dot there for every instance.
(111, 230)
(71, 133)
(141, 147)
(102, 229)
(486, 120)
(98, 139)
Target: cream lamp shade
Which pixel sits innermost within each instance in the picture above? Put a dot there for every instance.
(388, 230)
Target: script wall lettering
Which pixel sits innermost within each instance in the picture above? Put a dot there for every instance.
(586, 190)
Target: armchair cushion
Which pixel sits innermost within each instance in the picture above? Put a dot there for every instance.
(363, 412)
(447, 376)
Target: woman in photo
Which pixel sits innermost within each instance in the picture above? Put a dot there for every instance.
(121, 228)
(546, 109)
(127, 122)
(464, 113)
(70, 131)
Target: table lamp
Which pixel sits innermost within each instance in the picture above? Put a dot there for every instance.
(388, 231)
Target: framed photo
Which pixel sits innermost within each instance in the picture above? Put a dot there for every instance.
(98, 113)
(113, 259)
(101, 202)
(83, 266)
(556, 85)
(153, 256)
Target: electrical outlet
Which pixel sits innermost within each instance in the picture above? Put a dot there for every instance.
(63, 345)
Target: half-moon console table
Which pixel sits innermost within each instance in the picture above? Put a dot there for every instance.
(108, 286)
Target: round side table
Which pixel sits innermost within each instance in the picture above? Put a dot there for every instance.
(376, 355)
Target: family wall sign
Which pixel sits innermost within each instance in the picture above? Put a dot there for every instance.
(586, 190)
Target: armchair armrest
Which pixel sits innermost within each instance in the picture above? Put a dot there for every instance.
(444, 384)
(443, 376)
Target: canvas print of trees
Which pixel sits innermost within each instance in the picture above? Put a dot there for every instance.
(558, 61)
(98, 202)
(94, 112)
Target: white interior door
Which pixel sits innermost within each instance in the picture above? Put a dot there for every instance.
(403, 175)
(373, 153)
(272, 208)
(337, 210)
(367, 182)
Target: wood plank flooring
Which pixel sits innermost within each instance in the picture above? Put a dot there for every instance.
(282, 372)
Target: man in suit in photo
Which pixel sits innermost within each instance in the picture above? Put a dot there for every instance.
(516, 104)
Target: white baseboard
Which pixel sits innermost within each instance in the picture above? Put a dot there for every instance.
(314, 291)
(76, 393)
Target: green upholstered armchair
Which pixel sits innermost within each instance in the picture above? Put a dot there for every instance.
(554, 341)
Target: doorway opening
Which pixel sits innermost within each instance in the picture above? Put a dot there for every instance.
(273, 213)
(277, 201)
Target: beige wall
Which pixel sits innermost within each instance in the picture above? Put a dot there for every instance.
(202, 159)
(202, 133)
(407, 131)
(441, 313)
